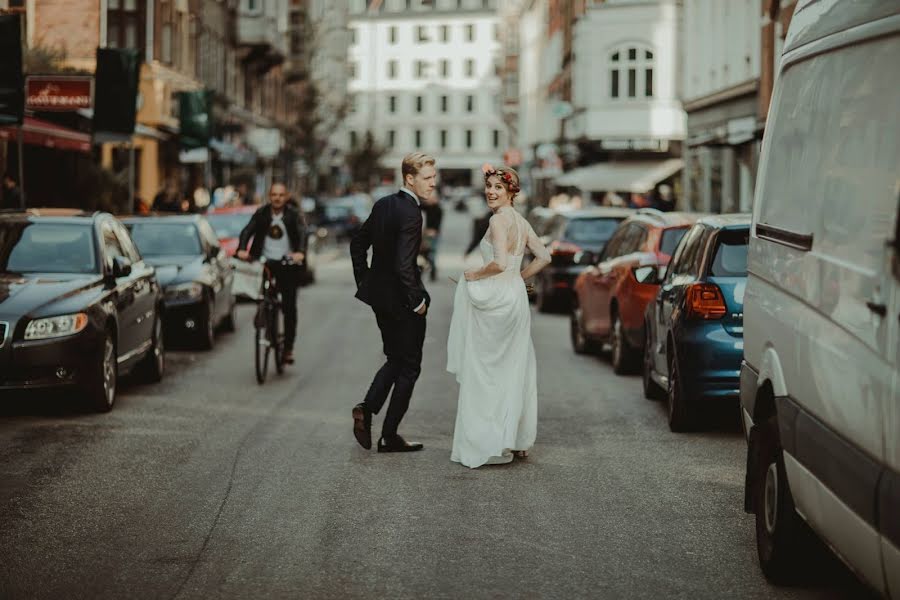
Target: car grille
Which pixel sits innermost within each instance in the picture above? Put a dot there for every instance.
(4, 328)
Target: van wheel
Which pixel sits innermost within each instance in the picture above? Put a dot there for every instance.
(781, 535)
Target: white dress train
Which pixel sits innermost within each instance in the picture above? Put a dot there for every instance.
(490, 351)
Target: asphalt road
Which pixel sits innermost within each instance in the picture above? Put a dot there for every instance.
(210, 486)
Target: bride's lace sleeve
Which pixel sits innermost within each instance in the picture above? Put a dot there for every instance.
(536, 246)
(499, 234)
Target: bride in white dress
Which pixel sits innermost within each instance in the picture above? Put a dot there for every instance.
(489, 347)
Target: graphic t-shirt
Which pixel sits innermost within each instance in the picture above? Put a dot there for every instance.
(277, 243)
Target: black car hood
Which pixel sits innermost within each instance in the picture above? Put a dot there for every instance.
(24, 294)
(175, 269)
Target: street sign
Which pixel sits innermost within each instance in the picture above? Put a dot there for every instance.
(58, 93)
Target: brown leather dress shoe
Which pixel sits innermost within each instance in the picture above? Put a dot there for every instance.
(362, 426)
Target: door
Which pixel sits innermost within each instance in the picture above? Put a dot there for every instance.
(889, 493)
(595, 303)
(127, 309)
(145, 289)
(682, 271)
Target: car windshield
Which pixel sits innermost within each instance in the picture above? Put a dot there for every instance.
(166, 239)
(228, 225)
(731, 254)
(591, 231)
(29, 247)
(670, 239)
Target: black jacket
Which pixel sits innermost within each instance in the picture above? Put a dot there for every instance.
(259, 225)
(394, 232)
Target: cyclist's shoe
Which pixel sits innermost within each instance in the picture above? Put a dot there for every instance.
(362, 426)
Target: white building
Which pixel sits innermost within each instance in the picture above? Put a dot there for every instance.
(423, 77)
(721, 96)
(603, 78)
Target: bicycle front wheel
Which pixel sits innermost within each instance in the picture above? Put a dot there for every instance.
(261, 349)
(276, 338)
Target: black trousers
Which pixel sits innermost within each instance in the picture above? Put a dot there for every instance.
(287, 278)
(402, 335)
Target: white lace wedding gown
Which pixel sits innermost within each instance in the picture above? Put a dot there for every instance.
(490, 351)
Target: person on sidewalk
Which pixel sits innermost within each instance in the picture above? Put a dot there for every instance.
(434, 214)
(12, 195)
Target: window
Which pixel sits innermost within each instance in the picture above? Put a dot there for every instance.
(392, 69)
(468, 138)
(496, 32)
(353, 139)
(420, 104)
(470, 33)
(351, 103)
(392, 104)
(165, 49)
(391, 138)
(445, 33)
(443, 138)
(686, 253)
(418, 138)
(635, 73)
(470, 103)
(352, 69)
(444, 103)
(445, 68)
(392, 34)
(421, 68)
(669, 239)
(125, 24)
(731, 254)
(111, 245)
(422, 33)
(353, 36)
(470, 67)
(496, 138)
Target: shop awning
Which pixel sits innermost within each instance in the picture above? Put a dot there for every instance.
(636, 177)
(36, 132)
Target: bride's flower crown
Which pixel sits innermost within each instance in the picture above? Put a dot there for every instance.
(512, 183)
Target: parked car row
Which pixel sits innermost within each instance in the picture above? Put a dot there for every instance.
(86, 297)
(791, 314)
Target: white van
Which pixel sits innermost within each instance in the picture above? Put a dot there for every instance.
(820, 383)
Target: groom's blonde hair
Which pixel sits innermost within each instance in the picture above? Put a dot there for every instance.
(413, 163)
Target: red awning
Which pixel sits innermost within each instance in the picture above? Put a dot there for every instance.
(49, 135)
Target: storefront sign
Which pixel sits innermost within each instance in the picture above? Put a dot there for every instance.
(58, 93)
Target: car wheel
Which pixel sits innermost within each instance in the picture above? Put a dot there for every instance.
(542, 299)
(580, 342)
(652, 390)
(679, 411)
(155, 362)
(782, 538)
(622, 354)
(100, 387)
(229, 323)
(206, 329)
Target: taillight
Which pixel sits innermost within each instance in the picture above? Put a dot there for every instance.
(564, 248)
(705, 301)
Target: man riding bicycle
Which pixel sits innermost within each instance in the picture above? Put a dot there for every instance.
(278, 231)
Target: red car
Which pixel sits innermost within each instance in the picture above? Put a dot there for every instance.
(611, 295)
(228, 223)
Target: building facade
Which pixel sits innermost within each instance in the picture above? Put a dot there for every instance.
(599, 95)
(731, 52)
(233, 48)
(424, 76)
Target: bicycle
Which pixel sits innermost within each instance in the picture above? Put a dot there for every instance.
(269, 323)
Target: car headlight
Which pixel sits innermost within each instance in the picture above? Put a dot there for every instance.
(51, 327)
(184, 291)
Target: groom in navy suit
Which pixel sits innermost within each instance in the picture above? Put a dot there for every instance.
(392, 286)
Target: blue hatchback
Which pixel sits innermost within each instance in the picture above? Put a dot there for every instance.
(695, 328)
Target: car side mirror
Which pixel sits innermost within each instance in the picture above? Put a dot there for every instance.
(121, 267)
(647, 274)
